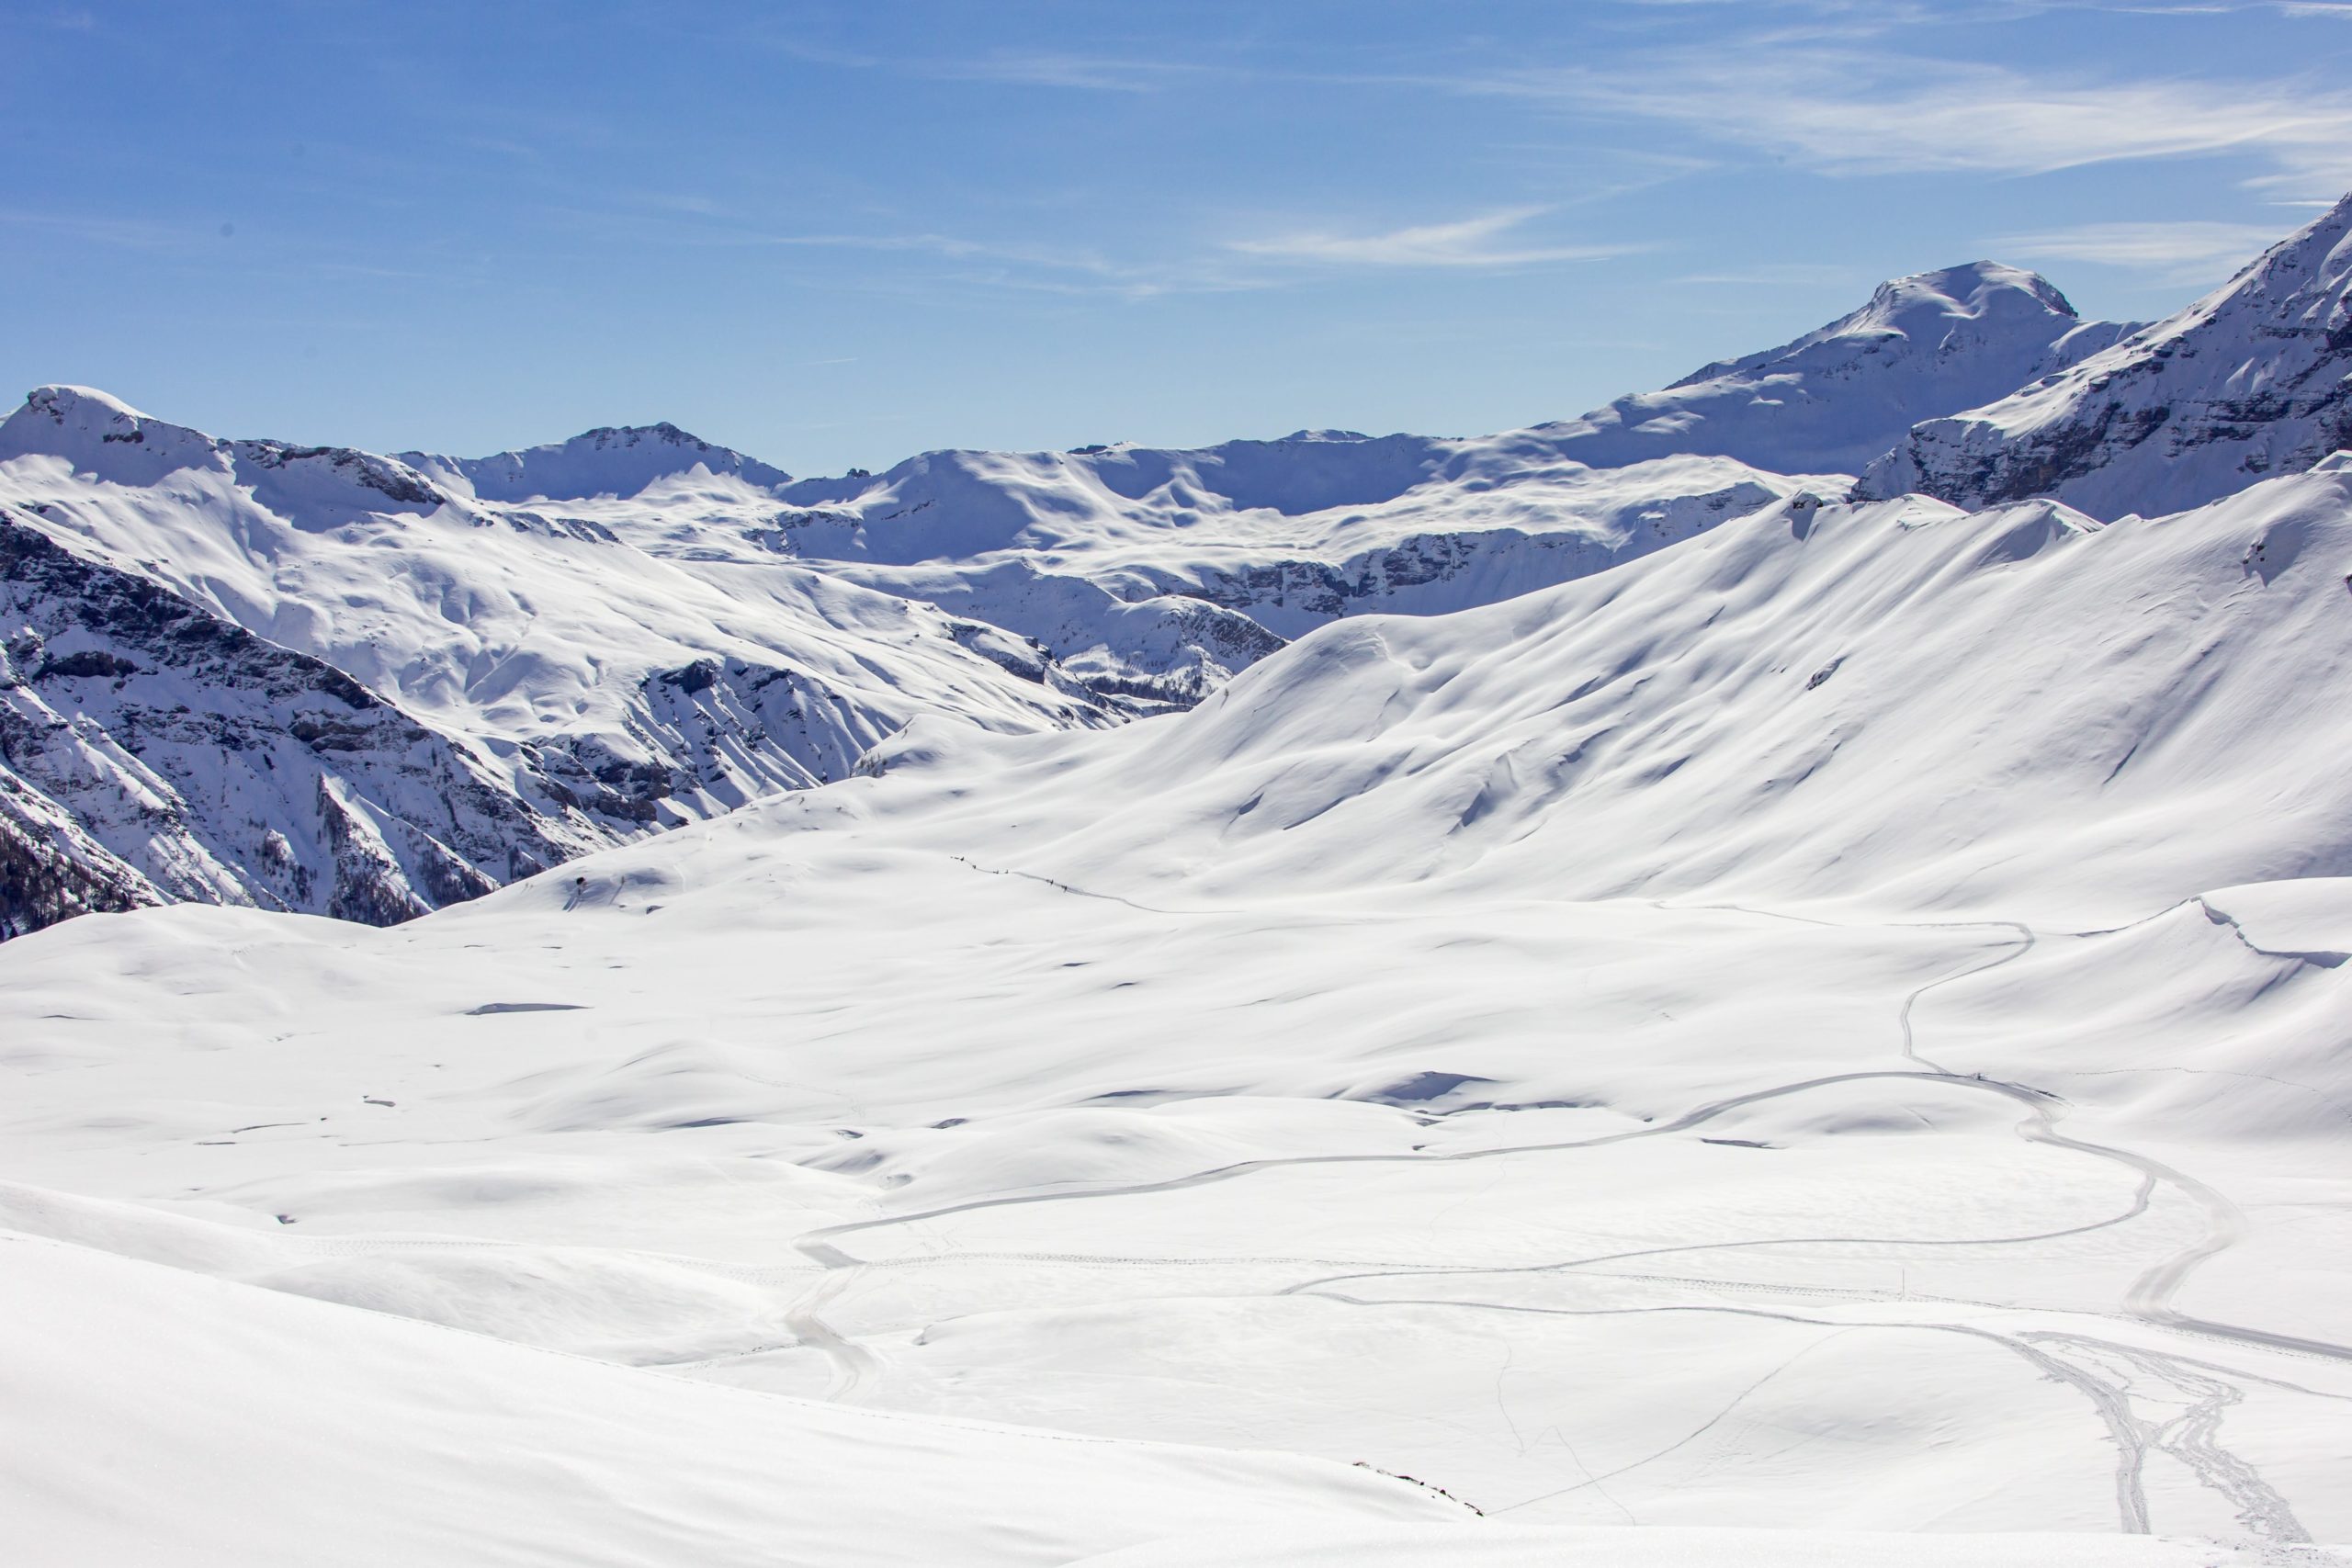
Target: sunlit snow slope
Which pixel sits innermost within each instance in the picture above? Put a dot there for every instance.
(1834, 1025)
(313, 679)
(570, 646)
(1713, 1022)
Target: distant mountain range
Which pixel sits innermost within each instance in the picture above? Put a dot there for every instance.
(326, 681)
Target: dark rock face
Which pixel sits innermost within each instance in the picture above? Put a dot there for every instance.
(394, 481)
(152, 751)
(50, 870)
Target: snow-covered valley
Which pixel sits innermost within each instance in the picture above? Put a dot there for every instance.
(1703, 1012)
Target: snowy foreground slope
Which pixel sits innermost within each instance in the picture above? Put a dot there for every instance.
(1835, 1025)
(330, 1435)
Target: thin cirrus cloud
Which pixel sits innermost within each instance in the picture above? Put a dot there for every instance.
(1860, 112)
(2175, 252)
(1484, 240)
(1039, 269)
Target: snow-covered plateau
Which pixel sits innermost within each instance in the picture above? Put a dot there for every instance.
(1758, 977)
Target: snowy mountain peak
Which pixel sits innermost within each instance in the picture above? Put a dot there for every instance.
(1924, 308)
(103, 436)
(2253, 379)
(614, 460)
(79, 405)
(1838, 396)
(1978, 289)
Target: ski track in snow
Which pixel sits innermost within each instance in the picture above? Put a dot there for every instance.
(2190, 1437)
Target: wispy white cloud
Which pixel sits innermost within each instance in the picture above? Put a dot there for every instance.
(1085, 71)
(2182, 252)
(1869, 111)
(124, 233)
(1481, 242)
(1486, 241)
(1029, 267)
(1779, 275)
(1100, 73)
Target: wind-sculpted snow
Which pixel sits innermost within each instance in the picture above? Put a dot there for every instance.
(1808, 702)
(1833, 1025)
(352, 1437)
(1687, 1013)
(2255, 380)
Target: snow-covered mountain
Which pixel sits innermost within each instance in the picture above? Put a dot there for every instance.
(531, 685)
(612, 461)
(1836, 399)
(1652, 994)
(1740, 714)
(636, 628)
(1840, 1020)
(2253, 379)
(1365, 524)
(201, 762)
(1322, 524)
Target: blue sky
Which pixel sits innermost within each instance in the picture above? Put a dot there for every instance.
(838, 233)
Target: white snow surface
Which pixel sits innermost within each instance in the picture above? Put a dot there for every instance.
(331, 1436)
(1747, 1027)
(1502, 1546)
(1833, 1026)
